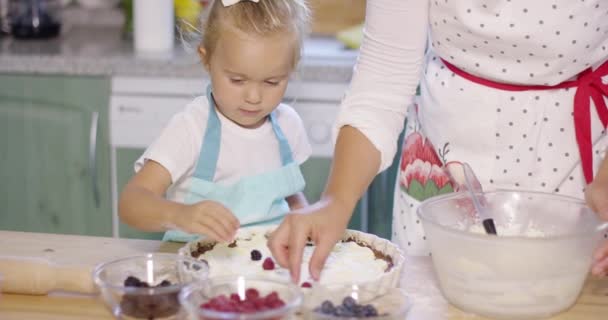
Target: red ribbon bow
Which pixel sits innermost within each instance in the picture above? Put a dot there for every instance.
(589, 87)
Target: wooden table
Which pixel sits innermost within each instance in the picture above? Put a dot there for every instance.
(418, 281)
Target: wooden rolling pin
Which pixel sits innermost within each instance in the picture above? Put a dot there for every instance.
(39, 276)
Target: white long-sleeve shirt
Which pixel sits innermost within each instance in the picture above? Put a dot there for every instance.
(542, 42)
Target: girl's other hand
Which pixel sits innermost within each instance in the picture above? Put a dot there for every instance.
(209, 218)
(597, 199)
(323, 222)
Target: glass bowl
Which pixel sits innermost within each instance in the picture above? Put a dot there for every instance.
(339, 302)
(147, 286)
(202, 300)
(535, 267)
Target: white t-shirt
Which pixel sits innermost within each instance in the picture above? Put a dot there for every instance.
(243, 152)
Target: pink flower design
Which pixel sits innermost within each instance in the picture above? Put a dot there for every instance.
(422, 171)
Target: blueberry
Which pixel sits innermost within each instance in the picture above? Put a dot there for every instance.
(132, 281)
(340, 311)
(370, 311)
(349, 313)
(358, 310)
(327, 307)
(349, 303)
(256, 255)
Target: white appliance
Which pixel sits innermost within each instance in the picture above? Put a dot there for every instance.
(140, 108)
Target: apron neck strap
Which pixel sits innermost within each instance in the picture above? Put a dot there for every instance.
(284, 148)
(210, 149)
(205, 166)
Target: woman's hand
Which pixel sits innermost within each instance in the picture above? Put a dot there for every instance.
(209, 218)
(597, 199)
(323, 223)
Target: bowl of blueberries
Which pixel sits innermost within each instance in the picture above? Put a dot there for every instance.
(338, 302)
(241, 297)
(147, 286)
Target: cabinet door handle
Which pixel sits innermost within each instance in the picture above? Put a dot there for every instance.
(93, 157)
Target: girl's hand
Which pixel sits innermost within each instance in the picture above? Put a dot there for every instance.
(209, 218)
(323, 222)
(597, 199)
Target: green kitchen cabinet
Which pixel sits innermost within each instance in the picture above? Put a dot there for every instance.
(55, 164)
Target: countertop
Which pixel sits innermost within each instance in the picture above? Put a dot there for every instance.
(418, 281)
(100, 49)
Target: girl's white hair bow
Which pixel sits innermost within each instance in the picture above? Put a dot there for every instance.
(228, 3)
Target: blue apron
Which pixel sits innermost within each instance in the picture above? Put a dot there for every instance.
(254, 200)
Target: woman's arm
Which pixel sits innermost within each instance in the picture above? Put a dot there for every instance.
(387, 72)
(371, 119)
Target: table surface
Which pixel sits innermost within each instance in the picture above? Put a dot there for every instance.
(418, 281)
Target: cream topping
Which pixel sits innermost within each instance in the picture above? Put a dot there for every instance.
(347, 263)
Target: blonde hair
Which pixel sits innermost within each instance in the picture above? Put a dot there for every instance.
(266, 17)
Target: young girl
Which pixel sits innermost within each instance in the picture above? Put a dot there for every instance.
(230, 158)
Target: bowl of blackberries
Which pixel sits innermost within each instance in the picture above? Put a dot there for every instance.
(338, 302)
(241, 297)
(147, 286)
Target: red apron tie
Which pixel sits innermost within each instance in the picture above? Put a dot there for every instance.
(589, 87)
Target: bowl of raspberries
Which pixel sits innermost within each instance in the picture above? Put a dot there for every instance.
(147, 286)
(339, 302)
(241, 297)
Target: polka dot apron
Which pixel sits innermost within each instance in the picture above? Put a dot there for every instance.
(513, 140)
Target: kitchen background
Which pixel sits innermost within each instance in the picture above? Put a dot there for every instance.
(78, 104)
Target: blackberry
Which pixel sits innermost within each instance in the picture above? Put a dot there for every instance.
(256, 255)
(148, 306)
(132, 281)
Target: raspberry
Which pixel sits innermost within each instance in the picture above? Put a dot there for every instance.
(252, 303)
(260, 304)
(268, 264)
(256, 255)
(249, 307)
(273, 296)
(252, 294)
(306, 285)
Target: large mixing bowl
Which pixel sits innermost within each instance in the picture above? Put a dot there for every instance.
(534, 268)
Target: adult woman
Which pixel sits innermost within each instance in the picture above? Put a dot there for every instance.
(512, 87)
